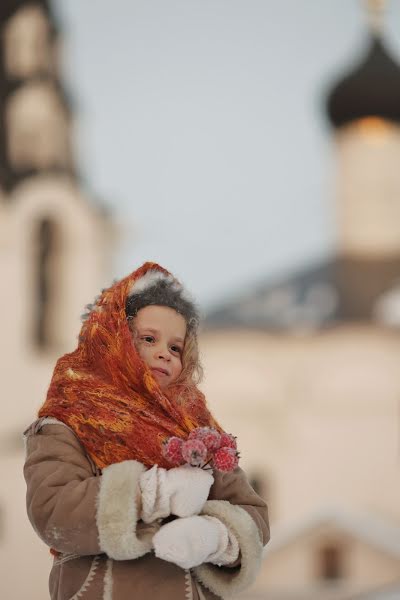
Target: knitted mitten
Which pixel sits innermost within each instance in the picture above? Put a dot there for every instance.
(195, 540)
(181, 491)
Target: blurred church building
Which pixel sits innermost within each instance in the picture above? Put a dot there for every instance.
(312, 363)
(312, 385)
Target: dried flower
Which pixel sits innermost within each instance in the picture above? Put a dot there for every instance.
(227, 440)
(194, 452)
(172, 450)
(210, 437)
(226, 459)
(204, 446)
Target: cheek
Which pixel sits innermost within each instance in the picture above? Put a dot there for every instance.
(178, 367)
(141, 350)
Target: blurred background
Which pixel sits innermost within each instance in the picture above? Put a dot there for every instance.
(253, 149)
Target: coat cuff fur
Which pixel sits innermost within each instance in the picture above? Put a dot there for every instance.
(225, 581)
(117, 512)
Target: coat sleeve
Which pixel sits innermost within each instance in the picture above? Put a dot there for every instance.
(234, 502)
(76, 511)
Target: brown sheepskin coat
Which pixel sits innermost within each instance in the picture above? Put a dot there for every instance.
(103, 551)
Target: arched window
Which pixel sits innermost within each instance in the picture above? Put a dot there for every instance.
(330, 562)
(37, 128)
(46, 270)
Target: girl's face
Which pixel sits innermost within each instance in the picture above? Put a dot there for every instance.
(159, 336)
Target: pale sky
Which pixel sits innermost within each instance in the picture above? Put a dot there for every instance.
(201, 124)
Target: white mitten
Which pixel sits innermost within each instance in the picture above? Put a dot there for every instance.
(192, 541)
(181, 491)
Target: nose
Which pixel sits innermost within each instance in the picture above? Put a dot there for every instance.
(162, 352)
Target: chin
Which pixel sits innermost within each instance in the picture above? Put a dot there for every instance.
(162, 383)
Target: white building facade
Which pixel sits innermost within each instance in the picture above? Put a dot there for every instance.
(55, 245)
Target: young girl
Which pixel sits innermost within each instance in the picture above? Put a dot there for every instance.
(121, 521)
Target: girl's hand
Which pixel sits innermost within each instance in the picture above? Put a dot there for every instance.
(181, 491)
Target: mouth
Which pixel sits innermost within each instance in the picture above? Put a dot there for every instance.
(160, 370)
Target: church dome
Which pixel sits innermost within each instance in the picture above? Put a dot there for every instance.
(371, 89)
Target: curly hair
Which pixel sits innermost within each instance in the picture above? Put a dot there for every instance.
(192, 369)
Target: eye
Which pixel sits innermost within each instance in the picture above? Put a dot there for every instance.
(176, 349)
(148, 338)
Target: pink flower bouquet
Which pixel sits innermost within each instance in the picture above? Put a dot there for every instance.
(204, 446)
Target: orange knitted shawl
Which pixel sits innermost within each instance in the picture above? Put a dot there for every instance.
(108, 396)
